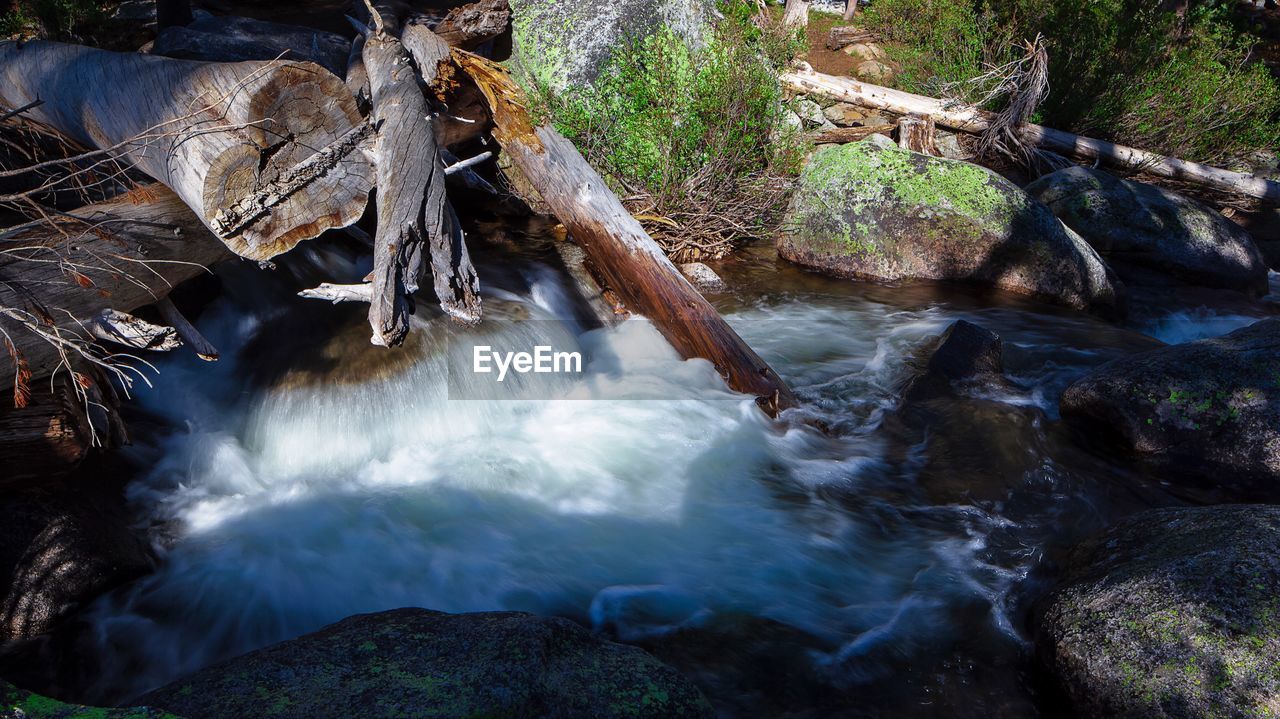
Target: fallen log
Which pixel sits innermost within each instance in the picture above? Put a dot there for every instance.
(843, 36)
(228, 38)
(622, 255)
(413, 213)
(117, 255)
(842, 135)
(214, 133)
(967, 118)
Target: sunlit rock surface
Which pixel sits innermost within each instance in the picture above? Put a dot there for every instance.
(870, 210)
(1140, 225)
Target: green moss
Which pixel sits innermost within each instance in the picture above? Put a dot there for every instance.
(17, 703)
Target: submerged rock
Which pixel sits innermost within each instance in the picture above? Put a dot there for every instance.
(967, 354)
(873, 210)
(18, 704)
(960, 440)
(1171, 613)
(703, 277)
(1207, 410)
(59, 549)
(415, 662)
(1140, 225)
(559, 43)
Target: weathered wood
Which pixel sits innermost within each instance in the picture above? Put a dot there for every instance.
(117, 255)
(123, 328)
(45, 439)
(850, 9)
(213, 132)
(336, 294)
(470, 26)
(843, 36)
(625, 258)
(413, 214)
(228, 38)
(842, 135)
(796, 13)
(970, 119)
(918, 134)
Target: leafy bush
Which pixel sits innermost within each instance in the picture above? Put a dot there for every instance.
(691, 135)
(55, 19)
(1124, 70)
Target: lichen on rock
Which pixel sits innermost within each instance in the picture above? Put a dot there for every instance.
(558, 44)
(1172, 613)
(873, 210)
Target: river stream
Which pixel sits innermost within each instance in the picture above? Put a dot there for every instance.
(874, 569)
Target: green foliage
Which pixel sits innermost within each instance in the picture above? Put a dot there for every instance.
(1123, 70)
(686, 127)
(54, 19)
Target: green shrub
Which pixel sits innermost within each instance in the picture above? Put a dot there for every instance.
(691, 134)
(54, 19)
(1123, 70)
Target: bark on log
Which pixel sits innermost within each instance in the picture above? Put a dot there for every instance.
(213, 132)
(413, 213)
(118, 255)
(228, 38)
(45, 439)
(625, 258)
(974, 120)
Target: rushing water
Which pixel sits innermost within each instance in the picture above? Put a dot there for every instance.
(874, 569)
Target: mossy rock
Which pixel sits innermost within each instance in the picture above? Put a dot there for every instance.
(566, 43)
(870, 210)
(1205, 414)
(18, 704)
(1172, 613)
(1137, 225)
(415, 662)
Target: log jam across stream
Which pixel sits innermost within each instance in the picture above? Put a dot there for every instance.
(306, 478)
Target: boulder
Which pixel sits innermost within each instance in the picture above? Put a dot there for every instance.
(870, 210)
(844, 114)
(703, 277)
(1204, 411)
(874, 71)
(18, 704)
(1171, 613)
(961, 443)
(415, 662)
(566, 43)
(966, 355)
(1142, 226)
(59, 549)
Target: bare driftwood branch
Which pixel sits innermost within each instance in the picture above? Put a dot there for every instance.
(339, 293)
(623, 255)
(967, 118)
(470, 26)
(124, 329)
